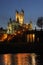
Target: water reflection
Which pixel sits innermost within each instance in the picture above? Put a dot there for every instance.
(23, 59)
(7, 59)
(18, 59)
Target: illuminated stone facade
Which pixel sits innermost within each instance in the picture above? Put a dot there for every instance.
(20, 17)
(12, 26)
(28, 26)
(19, 22)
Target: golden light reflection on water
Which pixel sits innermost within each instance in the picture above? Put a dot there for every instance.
(7, 59)
(23, 58)
(19, 59)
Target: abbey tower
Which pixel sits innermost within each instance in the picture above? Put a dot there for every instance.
(20, 17)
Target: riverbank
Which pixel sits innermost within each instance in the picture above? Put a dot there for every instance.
(20, 47)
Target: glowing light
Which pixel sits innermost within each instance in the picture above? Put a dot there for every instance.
(33, 37)
(30, 37)
(7, 59)
(26, 23)
(3, 37)
(10, 37)
(22, 59)
(27, 26)
(19, 32)
(20, 17)
(33, 59)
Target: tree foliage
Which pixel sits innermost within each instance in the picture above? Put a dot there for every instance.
(40, 22)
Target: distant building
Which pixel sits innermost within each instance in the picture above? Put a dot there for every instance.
(19, 22)
(12, 26)
(20, 17)
(28, 26)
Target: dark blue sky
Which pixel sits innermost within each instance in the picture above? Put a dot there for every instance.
(32, 9)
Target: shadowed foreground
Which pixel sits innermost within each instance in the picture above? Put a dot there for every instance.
(20, 47)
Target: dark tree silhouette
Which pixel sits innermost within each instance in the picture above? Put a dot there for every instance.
(40, 22)
(1, 28)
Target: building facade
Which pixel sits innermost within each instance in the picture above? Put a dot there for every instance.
(20, 17)
(12, 26)
(19, 22)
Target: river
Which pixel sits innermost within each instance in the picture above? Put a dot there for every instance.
(18, 59)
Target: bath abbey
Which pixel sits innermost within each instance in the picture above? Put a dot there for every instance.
(18, 23)
(17, 30)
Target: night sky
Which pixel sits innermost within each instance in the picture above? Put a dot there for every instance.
(32, 9)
